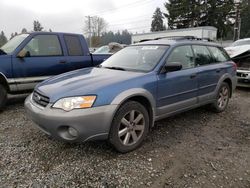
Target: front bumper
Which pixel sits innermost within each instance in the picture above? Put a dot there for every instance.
(243, 78)
(90, 124)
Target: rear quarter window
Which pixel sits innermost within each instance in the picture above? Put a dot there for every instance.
(73, 45)
(219, 54)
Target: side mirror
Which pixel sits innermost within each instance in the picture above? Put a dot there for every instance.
(23, 53)
(171, 67)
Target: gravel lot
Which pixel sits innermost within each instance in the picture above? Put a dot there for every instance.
(194, 149)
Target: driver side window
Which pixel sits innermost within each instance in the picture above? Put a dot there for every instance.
(43, 45)
(183, 55)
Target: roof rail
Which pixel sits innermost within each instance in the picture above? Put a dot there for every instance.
(179, 38)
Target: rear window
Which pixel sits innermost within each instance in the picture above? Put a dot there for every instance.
(73, 45)
(202, 55)
(218, 54)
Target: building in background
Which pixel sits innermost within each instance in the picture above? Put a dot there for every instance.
(208, 32)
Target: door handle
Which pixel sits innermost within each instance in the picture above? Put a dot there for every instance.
(193, 76)
(62, 61)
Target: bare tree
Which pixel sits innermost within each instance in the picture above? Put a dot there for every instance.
(94, 26)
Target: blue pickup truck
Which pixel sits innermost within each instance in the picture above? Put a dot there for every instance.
(30, 58)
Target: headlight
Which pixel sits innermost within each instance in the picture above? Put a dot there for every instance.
(71, 103)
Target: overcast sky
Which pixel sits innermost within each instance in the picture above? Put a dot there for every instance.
(68, 16)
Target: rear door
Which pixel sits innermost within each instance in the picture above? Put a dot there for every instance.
(76, 57)
(210, 70)
(178, 90)
(44, 58)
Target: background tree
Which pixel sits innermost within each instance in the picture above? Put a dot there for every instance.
(245, 19)
(157, 22)
(193, 13)
(24, 30)
(3, 38)
(94, 26)
(13, 35)
(37, 26)
(123, 37)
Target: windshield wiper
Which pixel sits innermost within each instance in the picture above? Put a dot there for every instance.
(115, 68)
(2, 52)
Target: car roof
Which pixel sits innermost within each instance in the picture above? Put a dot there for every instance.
(177, 42)
(47, 32)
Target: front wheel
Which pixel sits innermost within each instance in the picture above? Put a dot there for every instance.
(3, 96)
(129, 127)
(222, 98)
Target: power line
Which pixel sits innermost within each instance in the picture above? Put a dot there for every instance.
(124, 6)
(114, 25)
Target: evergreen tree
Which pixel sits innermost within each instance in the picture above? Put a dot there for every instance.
(245, 17)
(37, 26)
(24, 30)
(185, 14)
(123, 37)
(11, 36)
(157, 22)
(3, 39)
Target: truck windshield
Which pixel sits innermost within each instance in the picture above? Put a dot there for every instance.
(136, 58)
(12, 44)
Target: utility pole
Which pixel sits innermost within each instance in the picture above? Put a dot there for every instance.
(89, 29)
(237, 24)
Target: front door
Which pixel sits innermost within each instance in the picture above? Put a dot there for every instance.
(43, 58)
(178, 90)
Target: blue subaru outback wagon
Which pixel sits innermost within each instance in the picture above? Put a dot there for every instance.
(121, 99)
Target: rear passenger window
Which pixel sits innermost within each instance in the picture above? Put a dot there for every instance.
(218, 54)
(73, 45)
(202, 55)
(183, 55)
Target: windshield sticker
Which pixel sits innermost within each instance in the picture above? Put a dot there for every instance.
(150, 47)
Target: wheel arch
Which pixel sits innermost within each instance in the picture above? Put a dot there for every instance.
(141, 96)
(3, 81)
(229, 82)
(227, 78)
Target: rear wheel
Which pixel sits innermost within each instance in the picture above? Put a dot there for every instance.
(3, 96)
(129, 127)
(222, 98)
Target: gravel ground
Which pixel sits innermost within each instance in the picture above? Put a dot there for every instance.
(194, 149)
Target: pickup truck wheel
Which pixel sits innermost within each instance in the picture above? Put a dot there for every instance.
(129, 127)
(222, 98)
(3, 96)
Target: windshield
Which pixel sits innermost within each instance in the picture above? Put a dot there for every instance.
(102, 50)
(136, 58)
(12, 44)
(241, 42)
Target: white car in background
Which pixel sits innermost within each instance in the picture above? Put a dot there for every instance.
(239, 52)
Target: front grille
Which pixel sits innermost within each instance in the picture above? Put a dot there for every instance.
(40, 99)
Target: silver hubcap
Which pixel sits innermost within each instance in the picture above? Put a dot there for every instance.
(223, 97)
(131, 128)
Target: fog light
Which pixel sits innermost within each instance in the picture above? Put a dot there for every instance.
(73, 132)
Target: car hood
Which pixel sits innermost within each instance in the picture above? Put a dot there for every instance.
(83, 82)
(237, 50)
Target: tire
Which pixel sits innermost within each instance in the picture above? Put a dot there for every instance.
(222, 98)
(3, 97)
(131, 121)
